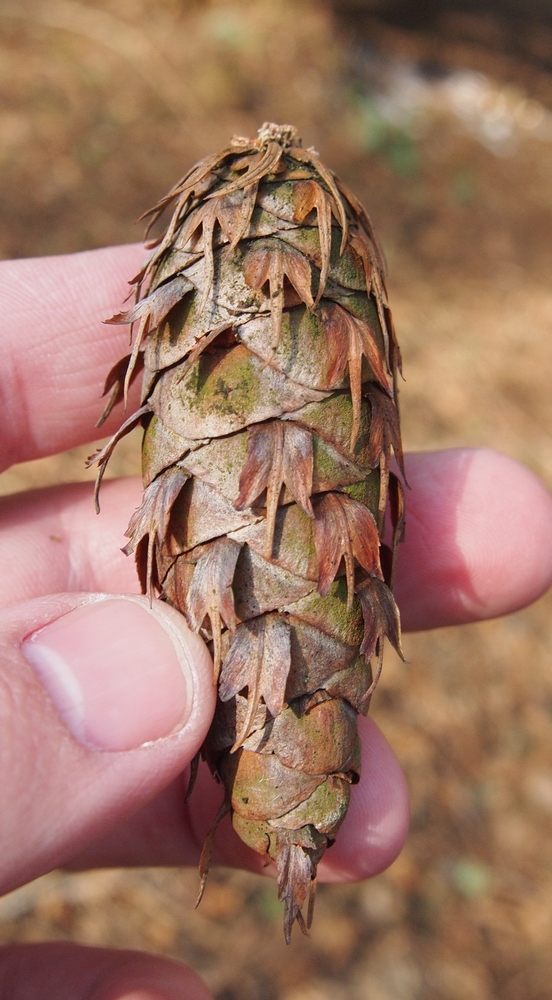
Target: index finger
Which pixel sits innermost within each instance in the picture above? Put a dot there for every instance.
(56, 349)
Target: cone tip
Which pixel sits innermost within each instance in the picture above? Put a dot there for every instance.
(285, 135)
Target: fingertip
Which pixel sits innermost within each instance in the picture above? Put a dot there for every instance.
(114, 699)
(512, 563)
(123, 672)
(76, 972)
(478, 538)
(137, 976)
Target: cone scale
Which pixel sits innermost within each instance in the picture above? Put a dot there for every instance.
(269, 366)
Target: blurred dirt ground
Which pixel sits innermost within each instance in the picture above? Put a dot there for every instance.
(103, 105)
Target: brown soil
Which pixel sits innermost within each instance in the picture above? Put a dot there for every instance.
(103, 106)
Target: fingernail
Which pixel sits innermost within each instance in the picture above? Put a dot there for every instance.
(118, 672)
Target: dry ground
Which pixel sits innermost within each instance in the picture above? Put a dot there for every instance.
(103, 104)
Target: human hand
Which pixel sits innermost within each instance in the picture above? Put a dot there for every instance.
(80, 788)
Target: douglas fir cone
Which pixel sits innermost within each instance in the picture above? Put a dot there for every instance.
(269, 406)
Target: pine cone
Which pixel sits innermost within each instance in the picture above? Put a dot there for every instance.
(269, 406)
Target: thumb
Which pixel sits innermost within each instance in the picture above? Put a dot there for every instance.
(104, 700)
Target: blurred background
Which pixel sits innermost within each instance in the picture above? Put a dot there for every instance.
(439, 116)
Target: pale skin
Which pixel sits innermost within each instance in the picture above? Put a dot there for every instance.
(472, 552)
